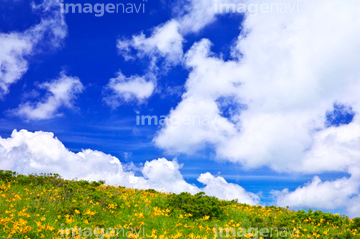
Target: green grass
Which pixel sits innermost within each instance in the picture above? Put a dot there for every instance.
(47, 206)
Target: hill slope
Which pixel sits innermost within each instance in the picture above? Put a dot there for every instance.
(47, 206)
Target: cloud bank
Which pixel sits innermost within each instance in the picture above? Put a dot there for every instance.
(287, 72)
(40, 152)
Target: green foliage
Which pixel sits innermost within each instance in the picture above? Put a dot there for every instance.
(39, 205)
(198, 205)
(7, 175)
(356, 223)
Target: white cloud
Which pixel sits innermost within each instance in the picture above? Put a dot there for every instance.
(16, 48)
(26, 152)
(197, 14)
(127, 89)
(190, 16)
(209, 77)
(61, 93)
(165, 41)
(328, 195)
(165, 175)
(334, 149)
(13, 65)
(288, 70)
(228, 191)
(40, 152)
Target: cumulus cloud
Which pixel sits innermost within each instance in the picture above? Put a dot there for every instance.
(271, 101)
(288, 72)
(40, 152)
(209, 77)
(165, 175)
(328, 195)
(126, 89)
(228, 191)
(164, 45)
(60, 93)
(166, 40)
(334, 149)
(17, 47)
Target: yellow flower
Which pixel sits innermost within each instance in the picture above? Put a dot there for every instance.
(206, 218)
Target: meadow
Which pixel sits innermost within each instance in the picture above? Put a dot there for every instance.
(47, 206)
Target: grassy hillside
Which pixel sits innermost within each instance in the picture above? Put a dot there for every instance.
(46, 206)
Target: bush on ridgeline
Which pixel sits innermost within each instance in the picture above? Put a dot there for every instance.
(198, 205)
(7, 175)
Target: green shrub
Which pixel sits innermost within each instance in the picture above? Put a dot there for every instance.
(356, 223)
(7, 175)
(198, 205)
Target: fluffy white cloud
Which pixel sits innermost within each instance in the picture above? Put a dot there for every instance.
(288, 70)
(40, 152)
(165, 175)
(228, 191)
(328, 195)
(13, 65)
(190, 16)
(16, 47)
(165, 41)
(123, 88)
(208, 81)
(334, 149)
(61, 93)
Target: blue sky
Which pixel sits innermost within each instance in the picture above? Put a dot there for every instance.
(281, 87)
